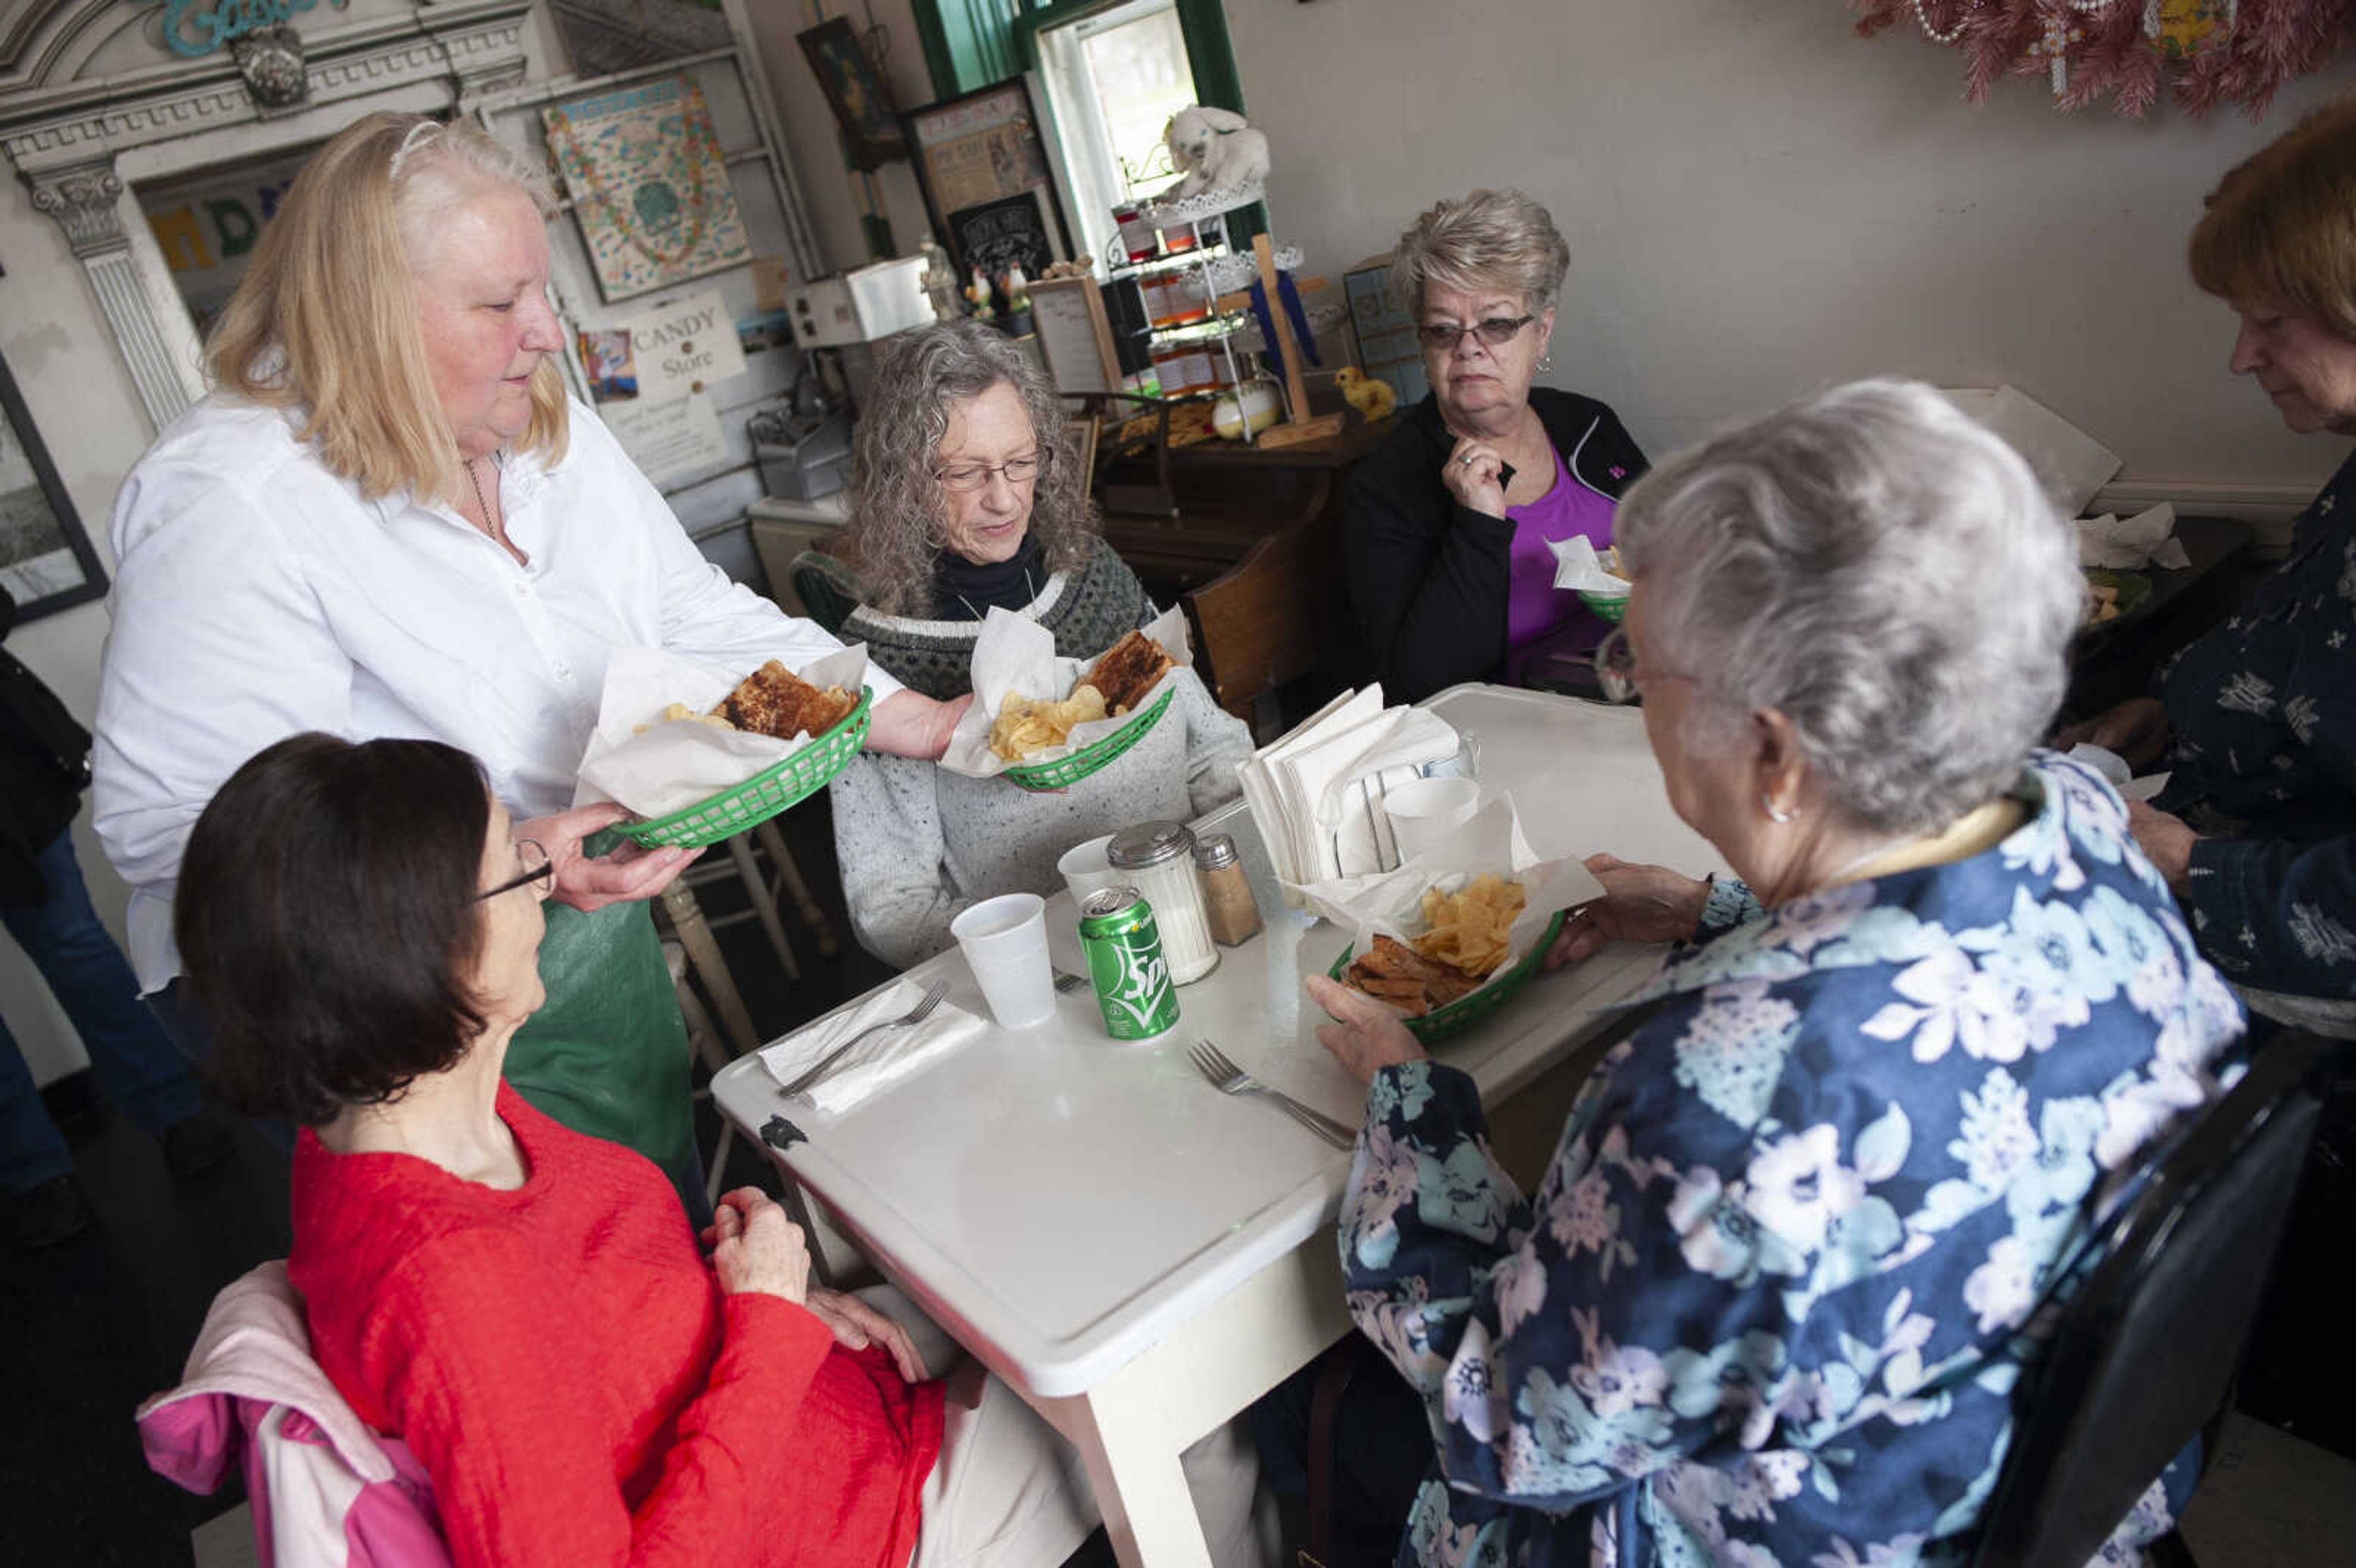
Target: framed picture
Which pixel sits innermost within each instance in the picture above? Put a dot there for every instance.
(46, 563)
(984, 150)
(858, 98)
(643, 167)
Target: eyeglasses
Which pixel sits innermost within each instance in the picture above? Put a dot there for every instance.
(1616, 672)
(1495, 333)
(539, 867)
(967, 476)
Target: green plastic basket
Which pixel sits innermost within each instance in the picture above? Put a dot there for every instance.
(762, 796)
(1608, 607)
(1066, 772)
(1461, 1014)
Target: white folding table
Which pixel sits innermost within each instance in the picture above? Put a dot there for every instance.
(1137, 1254)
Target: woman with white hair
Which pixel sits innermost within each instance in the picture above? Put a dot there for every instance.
(387, 519)
(965, 495)
(1768, 1303)
(1447, 524)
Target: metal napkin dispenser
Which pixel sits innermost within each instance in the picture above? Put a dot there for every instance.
(801, 457)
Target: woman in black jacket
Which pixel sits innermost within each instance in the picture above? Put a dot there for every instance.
(43, 768)
(1446, 526)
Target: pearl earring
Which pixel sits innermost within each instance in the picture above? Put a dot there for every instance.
(1545, 362)
(1774, 813)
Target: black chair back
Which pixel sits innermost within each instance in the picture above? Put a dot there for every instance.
(829, 589)
(2146, 1353)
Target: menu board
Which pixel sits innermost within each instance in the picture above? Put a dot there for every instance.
(1074, 334)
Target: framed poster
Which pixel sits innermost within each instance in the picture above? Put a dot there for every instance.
(1001, 234)
(643, 169)
(1074, 334)
(46, 560)
(871, 134)
(981, 149)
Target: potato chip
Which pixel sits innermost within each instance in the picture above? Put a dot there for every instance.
(674, 711)
(1468, 929)
(1025, 727)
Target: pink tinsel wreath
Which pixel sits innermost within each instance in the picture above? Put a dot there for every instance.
(2271, 41)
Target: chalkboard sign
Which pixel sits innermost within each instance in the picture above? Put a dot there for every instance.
(997, 235)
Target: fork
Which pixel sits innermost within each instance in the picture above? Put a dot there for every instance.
(916, 1015)
(1229, 1079)
(1067, 982)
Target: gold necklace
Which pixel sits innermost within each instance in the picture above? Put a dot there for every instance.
(490, 523)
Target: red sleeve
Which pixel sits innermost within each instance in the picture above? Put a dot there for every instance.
(467, 1344)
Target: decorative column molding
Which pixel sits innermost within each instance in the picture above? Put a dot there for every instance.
(81, 198)
(132, 318)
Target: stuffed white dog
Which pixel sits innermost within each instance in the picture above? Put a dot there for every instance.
(1216, 149)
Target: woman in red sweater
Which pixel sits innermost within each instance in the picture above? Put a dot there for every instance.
(523, 1305)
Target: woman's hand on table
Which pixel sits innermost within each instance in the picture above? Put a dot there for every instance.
(1475, 475)
(910, 724)
(1640, 903)
(756, 1249)
(857, 1326)
(630, 873)
(2166, 841)
(2136, 731)
(1365, 1036)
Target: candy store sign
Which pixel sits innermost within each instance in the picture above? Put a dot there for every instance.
(198, 27)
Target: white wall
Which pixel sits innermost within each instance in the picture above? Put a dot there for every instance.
(1758, 201)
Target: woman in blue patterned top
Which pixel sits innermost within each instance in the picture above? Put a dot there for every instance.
(1770, 1301)
(2257, 830)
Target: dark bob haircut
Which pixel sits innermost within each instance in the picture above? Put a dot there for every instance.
(327, 922)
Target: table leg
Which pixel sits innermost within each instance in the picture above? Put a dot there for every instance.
(1133, 1462)
(1131, 1427)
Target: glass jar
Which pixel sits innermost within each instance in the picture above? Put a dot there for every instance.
(1157, 859)
(1228, 908)
(1138, 240)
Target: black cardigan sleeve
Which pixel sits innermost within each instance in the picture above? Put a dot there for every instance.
(1428, 581)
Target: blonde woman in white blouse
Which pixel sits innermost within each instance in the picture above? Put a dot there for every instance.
(387, 519)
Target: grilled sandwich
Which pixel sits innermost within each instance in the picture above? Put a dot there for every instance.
(1399, 975)
(774, 700)
(1127, 670)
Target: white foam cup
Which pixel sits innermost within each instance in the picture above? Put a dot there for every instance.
(1004, 940)
(1425, 811)
(1085, 869)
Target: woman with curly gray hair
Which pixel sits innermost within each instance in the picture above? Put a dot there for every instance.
(966, 495)
(1767, 1305)
(1447, 524)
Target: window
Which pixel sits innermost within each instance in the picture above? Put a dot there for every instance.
(1112, 72)
(1112, 80)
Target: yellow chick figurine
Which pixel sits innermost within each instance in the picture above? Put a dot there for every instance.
(1372, 397)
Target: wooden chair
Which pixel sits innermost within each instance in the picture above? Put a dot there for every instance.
(1275, 616)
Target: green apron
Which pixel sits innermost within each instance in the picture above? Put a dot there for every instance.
(606, 1053)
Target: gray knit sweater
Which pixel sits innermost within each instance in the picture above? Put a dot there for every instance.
(918, 845)
(1089, 609)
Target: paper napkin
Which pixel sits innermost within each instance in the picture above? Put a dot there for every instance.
(884, 1059)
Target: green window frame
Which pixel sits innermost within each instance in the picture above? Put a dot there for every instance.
(973, 44)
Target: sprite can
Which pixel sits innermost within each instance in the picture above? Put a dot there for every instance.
(1124, 953)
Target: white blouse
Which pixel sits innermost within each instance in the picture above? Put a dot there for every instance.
(257, 595)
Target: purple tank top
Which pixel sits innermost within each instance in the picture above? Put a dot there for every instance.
(1534, 605)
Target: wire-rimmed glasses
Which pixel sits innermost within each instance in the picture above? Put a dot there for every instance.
(1018, 470)
(1443, 337)
(537, 868)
